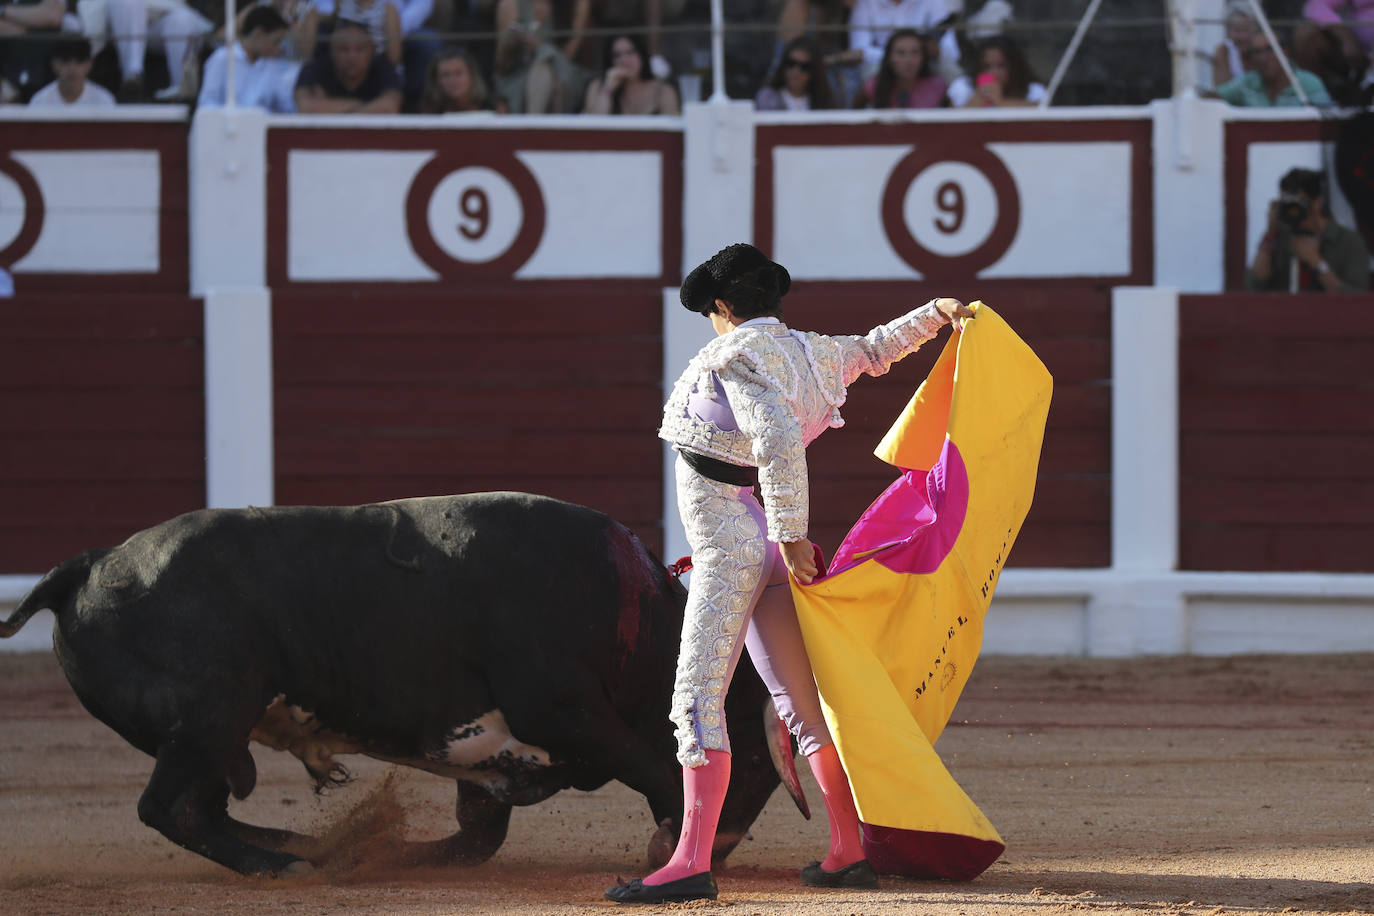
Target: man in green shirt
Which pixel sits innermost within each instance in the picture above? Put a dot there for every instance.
(1328, 257)
(1265, 85)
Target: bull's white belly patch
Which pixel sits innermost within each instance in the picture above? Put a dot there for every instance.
(486, 743)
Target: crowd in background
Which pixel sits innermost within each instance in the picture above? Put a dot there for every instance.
(643, 56)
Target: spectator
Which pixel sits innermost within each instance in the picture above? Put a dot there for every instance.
(532, 73)
(468, 16)
(905, 78)
(1266, 85)
(629, 86)
(1302, 235)
(26, 28)
(351, 79)
(298, 45)
(649, 13)
(382, 18)
(453, 84)
(71, 61)
(819, 20)
(137, 25)
(799, 82)
(1228, 61)
(397, 27)
(1335, 45)
(262, 78)
(872, 22)
(1003, 78)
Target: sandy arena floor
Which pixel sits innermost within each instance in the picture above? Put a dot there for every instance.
(1155, 786)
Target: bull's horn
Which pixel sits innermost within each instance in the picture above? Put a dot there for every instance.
(780, 750)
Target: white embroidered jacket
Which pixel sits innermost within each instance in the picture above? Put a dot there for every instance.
(785, 388)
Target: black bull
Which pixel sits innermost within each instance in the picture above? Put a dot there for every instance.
(517, 644)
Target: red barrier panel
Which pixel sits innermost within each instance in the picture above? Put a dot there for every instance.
(1276, 432)
(553, 388)
(103, 403)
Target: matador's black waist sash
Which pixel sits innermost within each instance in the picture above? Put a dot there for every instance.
(720, 471)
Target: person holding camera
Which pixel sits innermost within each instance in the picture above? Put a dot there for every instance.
(1304, 249)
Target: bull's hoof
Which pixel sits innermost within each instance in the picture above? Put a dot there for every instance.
(297, 869)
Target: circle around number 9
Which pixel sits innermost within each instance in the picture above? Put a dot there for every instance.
(950, 208)
(21, 211)
(475, 214)
(12, 208)
(951, 214)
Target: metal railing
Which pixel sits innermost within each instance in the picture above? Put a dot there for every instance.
(1058, 39)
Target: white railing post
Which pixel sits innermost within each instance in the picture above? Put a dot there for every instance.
(1145, 429)
(1063, 67)
(239, 466)
(718, 94)
(230, 36)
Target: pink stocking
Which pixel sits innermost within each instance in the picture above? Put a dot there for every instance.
(703, 793)
(845, 844)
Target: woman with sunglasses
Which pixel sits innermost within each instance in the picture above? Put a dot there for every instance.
(905, 78)
(799, 83)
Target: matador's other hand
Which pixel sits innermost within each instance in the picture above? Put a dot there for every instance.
(800, 559)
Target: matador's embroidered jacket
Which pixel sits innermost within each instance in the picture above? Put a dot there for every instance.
(785, 388)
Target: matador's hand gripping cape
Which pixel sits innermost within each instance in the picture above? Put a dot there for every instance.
(894, 628)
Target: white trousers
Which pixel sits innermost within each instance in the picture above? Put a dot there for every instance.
(739, 589)
(169, 26)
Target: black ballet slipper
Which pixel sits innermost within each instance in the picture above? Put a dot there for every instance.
(700, 886)
(855, 874)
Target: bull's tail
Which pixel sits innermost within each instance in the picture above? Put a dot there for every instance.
(53, 591)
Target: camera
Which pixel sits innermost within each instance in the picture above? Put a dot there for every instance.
(1298, 188)
(1292, 210)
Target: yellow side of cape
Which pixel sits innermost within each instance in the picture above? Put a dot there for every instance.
(892, 650)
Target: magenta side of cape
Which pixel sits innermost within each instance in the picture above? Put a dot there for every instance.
(927, 854)
(913, 527)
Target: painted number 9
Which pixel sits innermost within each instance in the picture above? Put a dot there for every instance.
(476, 210)
(949, 200)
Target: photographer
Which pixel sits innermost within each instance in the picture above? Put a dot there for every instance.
(1302, 236)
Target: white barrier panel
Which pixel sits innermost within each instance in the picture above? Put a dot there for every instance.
(345, 215)
(100, 211)
(456, 203)
(93, 196)
(348, 219)
(239, 468)
(228, 218)
(1073, 201)
(1261, 145)
(1266, 163)
(944, 198)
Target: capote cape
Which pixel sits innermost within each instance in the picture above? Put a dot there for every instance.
(894, 628)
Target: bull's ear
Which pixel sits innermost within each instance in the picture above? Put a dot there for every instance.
(780, 749)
